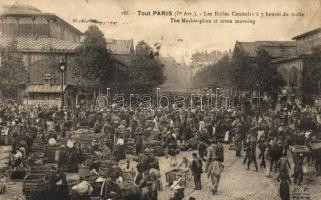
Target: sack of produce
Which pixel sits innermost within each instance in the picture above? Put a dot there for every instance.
(83, 188)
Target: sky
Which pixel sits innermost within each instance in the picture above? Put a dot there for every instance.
(181, 40)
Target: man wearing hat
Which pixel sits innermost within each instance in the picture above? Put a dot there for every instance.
(214, 172)
(212, 153)
(298, 169)
(220, 151)
(252, 156)
(262, 147)
(197, 170)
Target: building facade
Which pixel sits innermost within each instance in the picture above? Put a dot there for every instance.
(278, 50)
(292, 68)
(43, 39)
(202, 59)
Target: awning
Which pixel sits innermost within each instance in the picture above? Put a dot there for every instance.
(44, 88)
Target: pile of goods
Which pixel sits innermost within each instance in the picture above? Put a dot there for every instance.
(156, 147)
(190, 144)
(316, 145)
(300, 149)
(4, 157)
(85, 138)
(82, 188)
(72, 180)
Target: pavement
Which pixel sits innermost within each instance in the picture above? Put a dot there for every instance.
(236, 183)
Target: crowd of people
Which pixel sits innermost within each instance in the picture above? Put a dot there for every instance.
(206, 131)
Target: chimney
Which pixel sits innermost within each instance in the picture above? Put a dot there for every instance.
(47, 79)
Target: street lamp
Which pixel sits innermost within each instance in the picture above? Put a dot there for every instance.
(216, 95)
(259, 93)
(62, 68)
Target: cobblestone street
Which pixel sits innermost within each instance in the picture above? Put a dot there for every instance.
(236, 183)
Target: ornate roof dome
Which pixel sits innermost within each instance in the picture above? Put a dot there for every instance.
(19, 9)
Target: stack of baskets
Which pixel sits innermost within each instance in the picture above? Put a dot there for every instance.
(38, 147)
(4, 158)
(34, 186)
(45, 171)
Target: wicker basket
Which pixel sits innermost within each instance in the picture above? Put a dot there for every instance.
(34, 186)
(129, 189)
(46, 171)
(84, 171)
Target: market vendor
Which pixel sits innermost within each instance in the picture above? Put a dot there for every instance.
(61, 157)
(146, 187)
(149, 160)
(119, 150)
(16, 158)
(72, 159)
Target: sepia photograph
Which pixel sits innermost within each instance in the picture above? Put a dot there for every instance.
(160, 100)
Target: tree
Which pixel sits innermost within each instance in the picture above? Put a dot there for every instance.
(311, 76)
(256, 73)
(268, 79)
(243, 75)
(93, 60)
(13, 72)
(147, 71)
